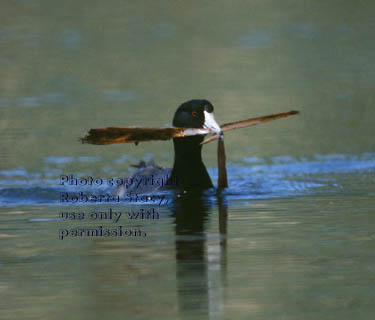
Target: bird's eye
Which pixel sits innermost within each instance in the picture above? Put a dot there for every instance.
(194, 113)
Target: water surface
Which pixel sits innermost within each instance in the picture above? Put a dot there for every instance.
(292, 236)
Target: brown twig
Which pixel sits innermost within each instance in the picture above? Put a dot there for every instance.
(249, 122)
(135, 135)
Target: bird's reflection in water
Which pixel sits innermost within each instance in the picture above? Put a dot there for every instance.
(223, 227)
(201, 266)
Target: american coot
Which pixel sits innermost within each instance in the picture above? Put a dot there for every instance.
(189, 171)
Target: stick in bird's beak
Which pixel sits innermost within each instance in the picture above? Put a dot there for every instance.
(211, 124)
(248, 123)
(222, 181)
(139, 134)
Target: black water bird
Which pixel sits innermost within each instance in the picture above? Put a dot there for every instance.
(189, 171)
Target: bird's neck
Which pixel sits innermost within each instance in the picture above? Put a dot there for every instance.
(188, 168)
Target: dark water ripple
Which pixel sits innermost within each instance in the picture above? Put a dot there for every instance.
(280, 177)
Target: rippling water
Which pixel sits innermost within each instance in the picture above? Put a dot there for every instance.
(293, 235)
(287, 237)
(253, 178)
